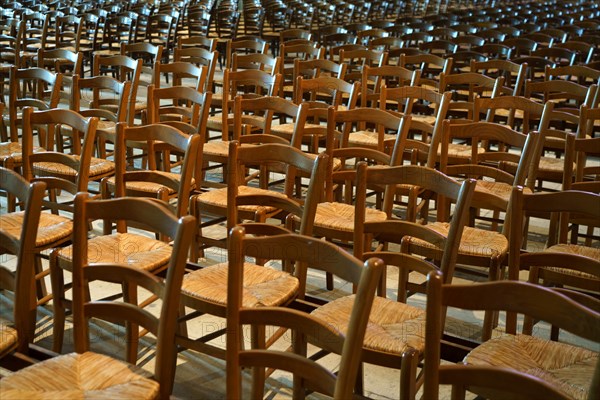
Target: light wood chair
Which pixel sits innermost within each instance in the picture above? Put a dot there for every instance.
(307, 373)
(205, 289)
(515, 352)
(70, 172)
(111, 376)
(389, 75)
(151, 255)
(21, 243)
(216, 203)
(395, 335)
(247, 83)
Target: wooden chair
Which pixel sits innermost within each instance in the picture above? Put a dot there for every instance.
(122, 68)
(61, 61)
(313, 68)
(391, 75)
(428, 108)
(357, 59)
(109, 101)
(520, 376)
(400, 348)
(307, 373)
(328, 90)
(430, 65)
(69, 172)
(20, 241)
(44, 95)
(156, 181)
(289, 53)
(149, 54)
(464, 88)
(118, 376)
(150, 255)
(249, 83)
(514, 74)
(205, 289)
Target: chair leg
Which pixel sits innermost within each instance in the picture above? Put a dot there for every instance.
(58, 291)
(258, 373)
(132, 330)
(408, 374)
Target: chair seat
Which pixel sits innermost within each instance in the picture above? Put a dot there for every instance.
(218, 197)
(215, 122)
(341, 216)
(461, 151)
(500, 189)
(14, 150)
(263, 286)
(107, 126)
(149, 187)
(216, 148)
(98, 167)
(474, 241)
(566, 367)
(367, 138)
(428, 119)
(124, 248)
(576, 249)
(393, 327)
(87, 375)
(51, 227)
(8, 337)
(286, 130)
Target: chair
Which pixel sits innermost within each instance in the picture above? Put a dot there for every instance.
(150, 255)
(112, 376)
(307, 373)
(44, 95)
(161, 31)
(73, 172)
(559, 55)
(331, 91)
(358, 59)
(464, 88)
(394, 336)
(487, 164)
(514, 74)
(250, 83)
(430, 65)
(289, 53)
(116, 30)
(109, 102)
(428, 108)
(149, 54)
(64, 62)
(389, 75)
(122, 68)
(20, 242)
(529, 371)
(205, 289)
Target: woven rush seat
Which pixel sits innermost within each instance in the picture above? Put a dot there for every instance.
(478, 242)
(566, 367)
(456, 150)
(428, 119)
(501, 189)
(14, 150)
(150, 187)
(78, 376)
(263, 286)
(51, 227)
(288, 128)
(341, 216)
(216, 148)
(98, 166)
(367, 138)
(215, 121)
(8, 337)
(107, 126)
(393, 327)
(124, 248)
(218, 197)
(579, 250)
